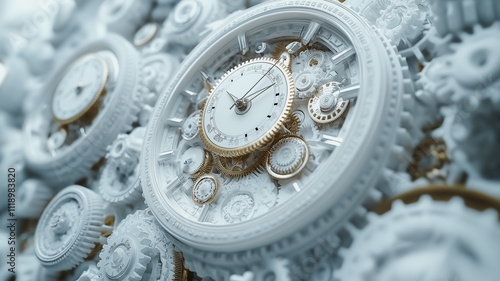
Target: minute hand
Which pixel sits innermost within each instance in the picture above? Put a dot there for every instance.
(257, 93)
(255, 83)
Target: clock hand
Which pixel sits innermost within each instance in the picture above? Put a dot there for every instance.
(233, 97)
(241, 99)
(259, 92)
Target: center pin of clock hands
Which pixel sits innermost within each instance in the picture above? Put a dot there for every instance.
(241, 103)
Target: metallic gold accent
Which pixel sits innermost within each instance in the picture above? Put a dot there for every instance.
(206, 166)
(269, 135)
(473, 199)
(293, 124)
(180, 273)
(428, 149)
(300, 165)
(321, 116)
(216, 182)
(101, 91)
(237, 167)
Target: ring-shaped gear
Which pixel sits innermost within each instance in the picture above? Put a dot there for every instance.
(287, 157)
(69, 228)
(427, 240)
(324, 106)
(119, 181)
(150, 257)
(205, 189)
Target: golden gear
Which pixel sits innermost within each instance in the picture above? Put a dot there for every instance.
(324, 107)
(293, 124)
(270, 134)
(428, 158)
(287, 157)
(239, 167)
(205, 189)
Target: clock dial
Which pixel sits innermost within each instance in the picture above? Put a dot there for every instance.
(247, 107)
(286, 112)
(79, 89)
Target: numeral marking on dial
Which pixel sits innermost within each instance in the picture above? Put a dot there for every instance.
(343, 56)
(242, 42)
(166, 156)
(312, 29)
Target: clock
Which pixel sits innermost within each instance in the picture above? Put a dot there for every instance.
(300, 107)
(85, 105)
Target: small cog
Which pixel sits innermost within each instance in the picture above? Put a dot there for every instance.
(205, 189)
(287, 157)
(190, 127)
(325, 106)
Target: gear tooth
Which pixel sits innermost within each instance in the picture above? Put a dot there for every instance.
(425, 199)
(397, 205)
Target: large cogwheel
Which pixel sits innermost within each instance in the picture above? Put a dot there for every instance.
(454, 16)
(138, 250)
(70, 227)
(427, 240)
(471, 72)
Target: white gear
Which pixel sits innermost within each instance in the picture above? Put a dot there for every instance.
(427, 240)
(190, 128)
(123, 16)
(455, 16)
(189, 18)
(191, 160)
(139, 250)
(69, 228)
(243, 199)
(287, 157)
(473, 70)
(401, 21)
(311, 68)
(119, 181)
(91, 274)
(33, 196)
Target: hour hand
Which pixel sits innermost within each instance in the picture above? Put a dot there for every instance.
(233, 97)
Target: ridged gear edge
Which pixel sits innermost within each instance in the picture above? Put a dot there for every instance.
(89, 234)
(456, 204)
(123, 122)
(400, 151)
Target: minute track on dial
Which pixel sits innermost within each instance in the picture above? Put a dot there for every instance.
(260, 114)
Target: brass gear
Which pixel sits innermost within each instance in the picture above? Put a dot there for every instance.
(238, 167)
(428, 150)
(267, 137)
(293, 124)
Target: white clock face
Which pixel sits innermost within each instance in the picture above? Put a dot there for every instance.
(79, 89)
(280, 147)
(249, 102)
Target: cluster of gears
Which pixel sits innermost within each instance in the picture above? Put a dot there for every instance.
(251, 140)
